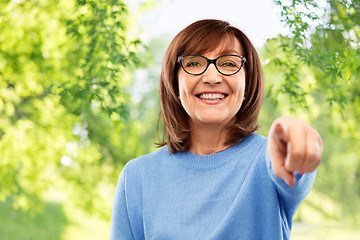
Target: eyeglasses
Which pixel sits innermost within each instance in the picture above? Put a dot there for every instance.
(225, 64)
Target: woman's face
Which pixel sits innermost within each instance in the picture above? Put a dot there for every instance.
(213, 98)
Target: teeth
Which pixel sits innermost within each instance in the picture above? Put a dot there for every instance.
(212, 96)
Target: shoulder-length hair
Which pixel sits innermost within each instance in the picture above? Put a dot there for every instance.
(200, 37)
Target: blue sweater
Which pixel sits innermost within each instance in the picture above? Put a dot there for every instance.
(232, 194)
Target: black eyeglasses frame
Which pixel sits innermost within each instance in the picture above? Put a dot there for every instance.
(213, 61)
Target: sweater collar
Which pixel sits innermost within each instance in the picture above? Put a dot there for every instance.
(214, 160)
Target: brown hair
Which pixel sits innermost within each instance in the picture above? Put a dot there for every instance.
(198, 38)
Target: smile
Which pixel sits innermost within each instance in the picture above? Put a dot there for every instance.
(212, 96)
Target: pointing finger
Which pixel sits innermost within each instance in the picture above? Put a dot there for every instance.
(296, 148)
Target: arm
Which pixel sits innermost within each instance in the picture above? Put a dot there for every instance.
(293, 148)
(120, 223)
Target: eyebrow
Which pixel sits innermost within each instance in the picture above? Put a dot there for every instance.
(229, 51)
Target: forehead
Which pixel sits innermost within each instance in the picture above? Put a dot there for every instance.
(227, 44)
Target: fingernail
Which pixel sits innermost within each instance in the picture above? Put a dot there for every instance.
(279, 129)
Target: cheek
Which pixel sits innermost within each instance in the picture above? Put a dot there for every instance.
(185, 86)
(181, 83)
(182, 87)
(239, 89)
(184, 93)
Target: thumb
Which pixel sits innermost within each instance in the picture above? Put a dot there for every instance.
(281, 172)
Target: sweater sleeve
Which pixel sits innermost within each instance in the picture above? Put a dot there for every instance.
(290, 197)
(120, 223)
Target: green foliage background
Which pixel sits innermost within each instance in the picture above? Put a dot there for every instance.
(320, 69)
(64, 67)
(76, 103)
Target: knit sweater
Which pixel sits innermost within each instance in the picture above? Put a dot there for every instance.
(232, 194)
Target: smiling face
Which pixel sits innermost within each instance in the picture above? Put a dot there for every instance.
(213, 98)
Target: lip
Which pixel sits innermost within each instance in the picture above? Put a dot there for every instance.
(212, 92)
(212, 102)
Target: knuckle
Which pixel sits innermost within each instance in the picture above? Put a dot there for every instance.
(314, 165)
(291, 168)
(312, 156)
(297, 155)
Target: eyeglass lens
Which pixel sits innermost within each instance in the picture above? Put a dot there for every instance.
(227, 64)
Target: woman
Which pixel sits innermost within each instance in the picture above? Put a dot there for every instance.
(215, 178)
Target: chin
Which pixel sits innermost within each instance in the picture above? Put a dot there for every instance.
(213, 121)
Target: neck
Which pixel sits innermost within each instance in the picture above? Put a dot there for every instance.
(207, 138)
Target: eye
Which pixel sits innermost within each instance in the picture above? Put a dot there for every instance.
(193, 64)
(194, 61)
(228, 64)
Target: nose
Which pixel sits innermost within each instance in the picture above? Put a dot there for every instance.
(211, 75)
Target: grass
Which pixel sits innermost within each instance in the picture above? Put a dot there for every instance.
(84, 226)
(56, 221)
(47, 225)
(319, 218)
(306, 231)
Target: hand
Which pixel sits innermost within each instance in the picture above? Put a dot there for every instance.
(293, 146)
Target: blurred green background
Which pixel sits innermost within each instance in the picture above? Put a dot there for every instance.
(79, 98)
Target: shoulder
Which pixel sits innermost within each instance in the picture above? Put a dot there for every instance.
(261, 142)
(254, 149)
(259, 138)
(253, 143)
(146, 162)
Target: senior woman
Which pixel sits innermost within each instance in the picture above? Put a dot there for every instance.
(215, 178)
